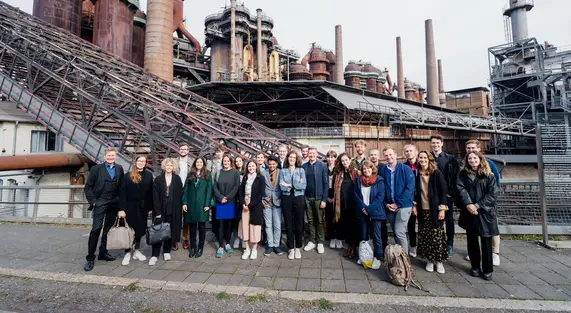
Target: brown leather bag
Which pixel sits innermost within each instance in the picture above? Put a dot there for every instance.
(120, 237)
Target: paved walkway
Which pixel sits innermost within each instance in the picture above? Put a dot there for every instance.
(527, 271)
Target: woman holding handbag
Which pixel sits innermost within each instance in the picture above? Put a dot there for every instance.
(196, 205)
(167, 199)
(135, 202)
(225, 187)
(252, 190)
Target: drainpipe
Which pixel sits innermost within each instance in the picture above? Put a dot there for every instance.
(15, 137)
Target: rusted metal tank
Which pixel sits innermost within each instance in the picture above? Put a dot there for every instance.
(353, 74)
(37, 161)
(113, 26)
(140, 22)
(158, 38)
(87, 20)
(332, 66)
(178, 26)
(318, 64)
(299, 72)
(219, 61)
(65, 14)
(371, 75)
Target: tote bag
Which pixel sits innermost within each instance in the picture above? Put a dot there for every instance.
(120, 237)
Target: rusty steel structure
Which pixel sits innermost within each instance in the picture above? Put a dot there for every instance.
(299, 72)
(39, 161)
(113, 26)
(65, 14)
(93, 99)
(140, 22)
(178, 25)
(158, 39)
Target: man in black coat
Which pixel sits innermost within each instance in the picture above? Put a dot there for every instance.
(448, 165)
(102, 193)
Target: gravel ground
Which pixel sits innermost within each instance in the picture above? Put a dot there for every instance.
(29, 295)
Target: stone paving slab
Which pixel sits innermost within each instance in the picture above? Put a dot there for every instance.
(527, 270)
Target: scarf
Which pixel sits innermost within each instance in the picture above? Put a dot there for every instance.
(337, 191)
(368, 182)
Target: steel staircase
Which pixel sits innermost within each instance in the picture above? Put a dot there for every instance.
(95, 100)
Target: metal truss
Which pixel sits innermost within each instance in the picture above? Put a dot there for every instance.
(94, 100)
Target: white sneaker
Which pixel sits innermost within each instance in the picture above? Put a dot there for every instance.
(236, 243)
(440, 268)
(139, 256)
(152, 261)
(467, 258)
(339, 244)
(320, 248)
(246, 254)
(376, 264)
(496, 259)
(412, 252)
(291, 254)
(332, 243)
(254, 254)
(126, 259)
(167, 256)
(309, 246)
(430, 267)
(297, 253)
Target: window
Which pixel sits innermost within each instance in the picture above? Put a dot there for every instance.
(43, 141)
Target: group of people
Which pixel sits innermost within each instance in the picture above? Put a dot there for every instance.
(348, 199)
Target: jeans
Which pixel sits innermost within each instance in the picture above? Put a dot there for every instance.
(167, 244)
(375, 225)
(293, 208)
(479, 254)
(315, 220)
(103, 218)
(399, 222)
(273, 219)
(449, 219)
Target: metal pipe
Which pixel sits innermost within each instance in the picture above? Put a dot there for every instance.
(15, 139)
(431, 72)
(178, 25)
(36, 161)
(158, 39)
(233, 40)
(441, 92)
(339, 55)
(259, 45)
(400, 73)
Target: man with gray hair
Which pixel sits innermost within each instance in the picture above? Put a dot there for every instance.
(282, 155)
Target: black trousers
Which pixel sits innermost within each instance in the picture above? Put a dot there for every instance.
(412, 230)
(201, 227)
(449, 219)
(167, 244)
(103, 218)
(480, 254)
(384, 233)
(224, 232)
(333, 228)
(349, 226)
(293, 209)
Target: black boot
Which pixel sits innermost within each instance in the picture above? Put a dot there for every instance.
(106, 257)
(199, 250)
(192, 253)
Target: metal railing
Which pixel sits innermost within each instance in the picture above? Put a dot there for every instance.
(519, 207)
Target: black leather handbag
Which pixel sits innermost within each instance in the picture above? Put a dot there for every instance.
(158, 233)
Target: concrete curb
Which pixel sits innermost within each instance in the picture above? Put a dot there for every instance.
(351, 298)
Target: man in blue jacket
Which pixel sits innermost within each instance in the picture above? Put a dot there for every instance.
(316, 191)
(399, 195)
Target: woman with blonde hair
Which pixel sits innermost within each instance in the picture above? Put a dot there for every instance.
(167, 199)
(430, 207)
(135, 203)
(478, 214)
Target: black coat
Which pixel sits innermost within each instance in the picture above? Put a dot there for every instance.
(174, 202)
(480, 190)
(436, 195)
(136, 199)
(95, 184)
(258, 192)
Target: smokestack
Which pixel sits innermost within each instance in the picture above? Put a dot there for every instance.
(232, 40)
(431, 76)
(158, 38)
(400, 73)
(441, 94)
(517, 13)
(339, 55)
(259, 46)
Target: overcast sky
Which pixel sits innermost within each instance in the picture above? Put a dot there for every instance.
(463, 30)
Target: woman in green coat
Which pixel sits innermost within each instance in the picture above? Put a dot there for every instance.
(196, 205)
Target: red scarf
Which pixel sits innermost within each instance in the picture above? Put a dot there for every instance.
(368, 182)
